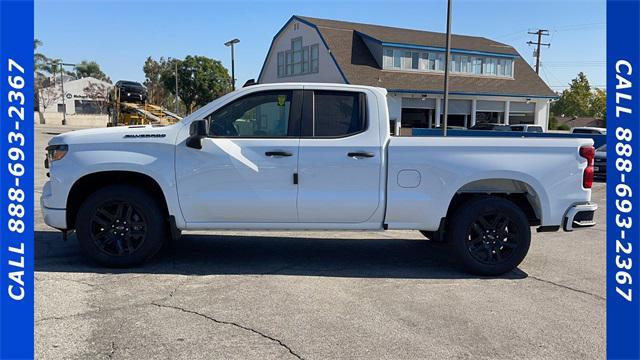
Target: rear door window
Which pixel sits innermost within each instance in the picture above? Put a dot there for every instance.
(335, 113)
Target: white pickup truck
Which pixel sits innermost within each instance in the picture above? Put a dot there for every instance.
(308, 157)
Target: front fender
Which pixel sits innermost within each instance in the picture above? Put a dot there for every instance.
(153, 160)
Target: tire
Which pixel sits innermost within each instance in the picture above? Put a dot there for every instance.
(490, 235)
(121, 226)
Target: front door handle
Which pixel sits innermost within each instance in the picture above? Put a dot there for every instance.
(277, 153)
(360, 155)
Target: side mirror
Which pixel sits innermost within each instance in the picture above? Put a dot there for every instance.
(197, 132)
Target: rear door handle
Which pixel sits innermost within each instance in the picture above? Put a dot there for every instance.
(360, 155)
(277, 153)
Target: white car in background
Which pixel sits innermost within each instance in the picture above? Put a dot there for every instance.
(527, 128)
(304, 156)
(589, 130)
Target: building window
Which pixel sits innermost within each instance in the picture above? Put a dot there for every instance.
(289, 61)
(477, 65)
(92, 107)
(415, 57)
(396, 59)
(298, 60)
(387, 61)
(280, 64)
(403, 59)
(315, 53)
(440, 61)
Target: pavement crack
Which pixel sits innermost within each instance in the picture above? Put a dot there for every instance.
(112, 351)
(279, 342)
(568, 287)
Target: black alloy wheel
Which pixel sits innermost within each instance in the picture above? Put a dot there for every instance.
(118, 228)
(490, 235)
(492, 238)
(121, 225)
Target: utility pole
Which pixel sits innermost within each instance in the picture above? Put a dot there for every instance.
(540, 33)
(446, 70)
(177, 98)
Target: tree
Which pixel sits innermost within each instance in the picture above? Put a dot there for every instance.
(200, 80)
(97, 93)
(576, 100)
(47, 96)
(599, 105)
(40, 61)
(90, 69)
(153, 71)
(40, 67)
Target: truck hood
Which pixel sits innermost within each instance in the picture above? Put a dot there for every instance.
(119, 134)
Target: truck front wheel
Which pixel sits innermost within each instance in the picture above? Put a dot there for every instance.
(120, 226)
(490, 235)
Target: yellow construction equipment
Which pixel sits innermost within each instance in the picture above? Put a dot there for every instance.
(130, 113)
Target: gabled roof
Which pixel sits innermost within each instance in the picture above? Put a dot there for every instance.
(345, 40)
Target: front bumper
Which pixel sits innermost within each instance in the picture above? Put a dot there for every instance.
(56, 218)
(579, 216)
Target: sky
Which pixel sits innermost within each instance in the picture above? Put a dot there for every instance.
(120, 35)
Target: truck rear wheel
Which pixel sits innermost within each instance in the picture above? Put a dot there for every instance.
(490, 235)
(120, 226)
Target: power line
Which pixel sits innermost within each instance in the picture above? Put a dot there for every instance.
(576, 27)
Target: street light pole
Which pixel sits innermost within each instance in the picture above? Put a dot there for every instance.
(233, 74)
(446, 70)
(64, 105)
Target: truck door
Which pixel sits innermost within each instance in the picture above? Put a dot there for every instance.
(244, 171)
(340, 165)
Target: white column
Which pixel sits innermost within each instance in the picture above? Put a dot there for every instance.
(507, 108)
(473, 112)
(438, 112)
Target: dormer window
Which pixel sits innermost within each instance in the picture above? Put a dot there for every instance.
(433, 61)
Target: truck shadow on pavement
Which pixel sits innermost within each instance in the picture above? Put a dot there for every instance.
(379, 257)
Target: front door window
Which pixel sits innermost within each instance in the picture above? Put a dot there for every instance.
(264, 114)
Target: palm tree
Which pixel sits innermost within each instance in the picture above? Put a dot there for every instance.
(90, 69)
(40, 61)
(40, 70)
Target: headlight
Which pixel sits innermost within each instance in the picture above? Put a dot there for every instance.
(56, 152)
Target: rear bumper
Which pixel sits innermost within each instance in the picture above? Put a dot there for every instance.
(579, 216)
(600, 169)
